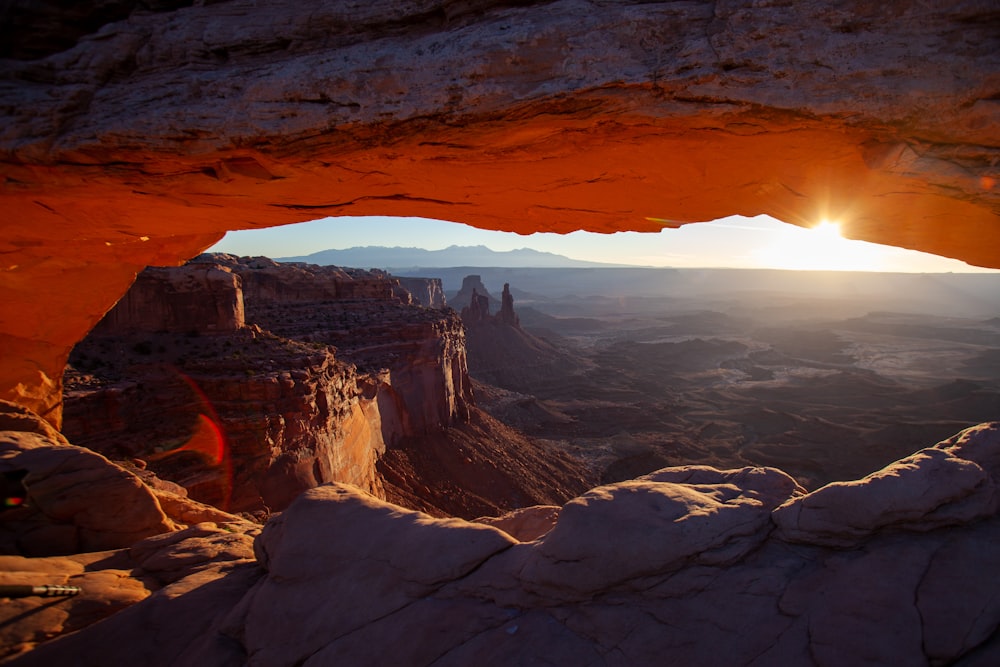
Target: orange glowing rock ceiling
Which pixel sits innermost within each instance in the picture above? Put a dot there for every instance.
(141, 137)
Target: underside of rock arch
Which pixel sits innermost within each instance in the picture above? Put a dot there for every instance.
(138, 133)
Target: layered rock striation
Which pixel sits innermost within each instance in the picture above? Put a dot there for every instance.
(426, 291)
(702, 565)
(416, 355)
(196, 298)
(250, 416)
(337, 376)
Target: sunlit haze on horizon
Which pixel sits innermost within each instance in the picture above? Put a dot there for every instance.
(735, 242)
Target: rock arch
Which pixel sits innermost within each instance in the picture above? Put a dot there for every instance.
(142, 139)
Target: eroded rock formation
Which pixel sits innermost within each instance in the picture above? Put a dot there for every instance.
(507, 315)
(478, 310)
(198, 298)
(426, 291)
(464, 297)
(501, 353)
(248, 417)
(137, 137)
(336, 377)
(705, 566)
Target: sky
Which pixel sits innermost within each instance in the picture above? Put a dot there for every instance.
(734, 242)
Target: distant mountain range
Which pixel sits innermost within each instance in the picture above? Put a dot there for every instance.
(377, 257)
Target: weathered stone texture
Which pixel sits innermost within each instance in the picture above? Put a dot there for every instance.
(193, 298)
(139, 138)
(683, 566)
(76, 500)
(426, 291)
(275, 415)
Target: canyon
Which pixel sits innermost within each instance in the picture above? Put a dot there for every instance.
(247, 382)
(135, 134)
(632, 370)
(744, 565)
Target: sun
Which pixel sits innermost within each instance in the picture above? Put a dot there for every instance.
(828, 229)
(820, 248)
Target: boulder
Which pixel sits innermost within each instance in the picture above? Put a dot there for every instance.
(655, 525)
(76, 500)
(929, 489)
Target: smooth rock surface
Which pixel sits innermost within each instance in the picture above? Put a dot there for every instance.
(926, 490)
(681, 567)
(76, 500)
(594, 547)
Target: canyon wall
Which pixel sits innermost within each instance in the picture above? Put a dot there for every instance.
(245, 417)
(426, 291)
(138, 136)
(203, 299)
(373, 323)
(267, 282)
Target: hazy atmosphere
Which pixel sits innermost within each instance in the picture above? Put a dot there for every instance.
(734, 242)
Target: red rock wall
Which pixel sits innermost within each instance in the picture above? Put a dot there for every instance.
(200, 298)
(268, 282)
(433, 389)
(291, 414)
(284, 430)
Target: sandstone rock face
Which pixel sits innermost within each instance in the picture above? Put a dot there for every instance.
(923, 491)
(473, 285)
(193, 298)
(526, 524)
(105, 592)
(478, 310)
(685, 562)
(689, 516)
(362, 314)
(135, 138)
(244, 421)
(155, 569)
(248, 420)
(426, 291)
(266, 282)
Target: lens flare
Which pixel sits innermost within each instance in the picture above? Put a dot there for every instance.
(207, 440)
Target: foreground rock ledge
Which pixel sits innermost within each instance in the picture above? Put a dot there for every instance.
(140, 139)
(685, 565)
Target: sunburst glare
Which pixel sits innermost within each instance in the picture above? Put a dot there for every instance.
(821, 248)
